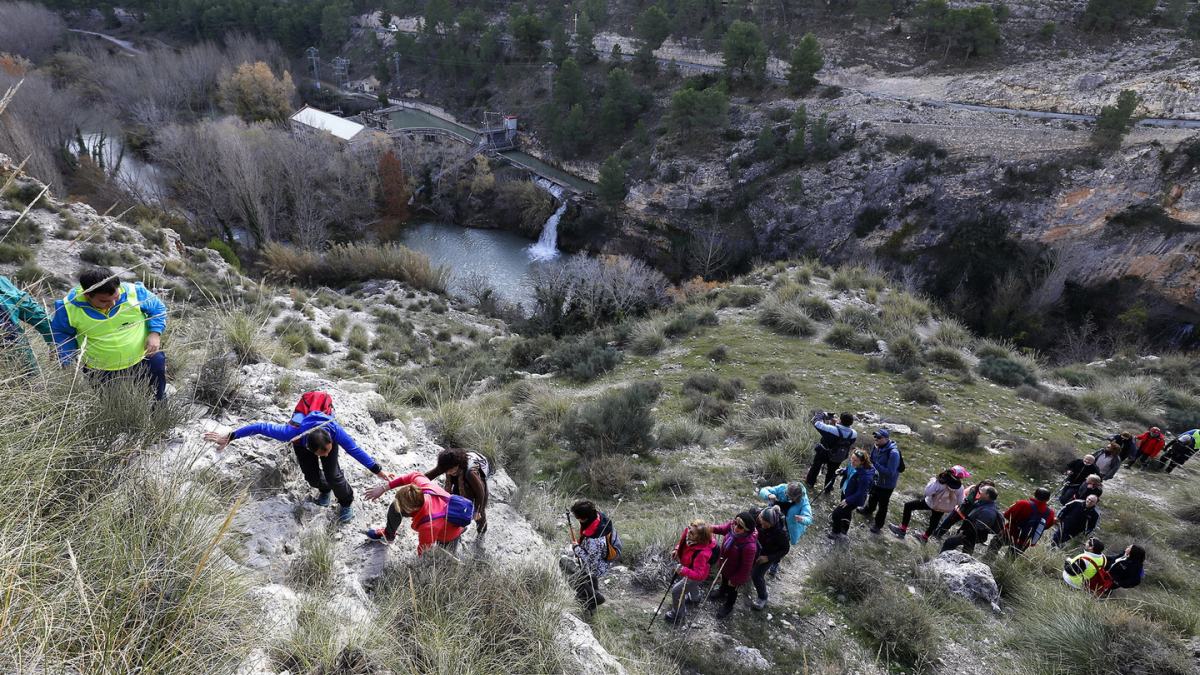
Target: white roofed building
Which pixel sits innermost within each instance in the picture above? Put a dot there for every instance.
(311, 120)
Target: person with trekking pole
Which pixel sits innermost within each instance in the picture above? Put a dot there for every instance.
(837, 438)
(1149, 445)
(886, 458)
(438, 517)
(596, 547)
(982, 521)
(792, 500)
(773, 545)
(855, 486)
(695, 553)
(316, 440)
(970, 498)
(1079, 469)
(737, 552)
(1180, 450)
(1079, 516)
(943, 494)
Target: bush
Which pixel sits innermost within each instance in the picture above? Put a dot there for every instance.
(680, 434)
(766, 406)
(1005, 371)
(344, 264)
(918, 391)
(952, 334)
(861, 318)
(816, 308)
(776, 384)
(761, 432)
(687, 321)
(903, 353)
(718, 354)
(740, 296)
(901, 624)
(583, 359)
(218, 383)
(525, 351)
(359, 339)
(707, 383)
(962, 437)
(851, 578)
(648, 338)
(1188, 506)
(845, 336)
(15, 253)
(618, 421)
(903, 308)
(1042, 461)
(787, 318)
(226, 252)
(775, 465)
(1077, 376)
(946, 357)
(313, 567)
(707, 409)
(675, 480)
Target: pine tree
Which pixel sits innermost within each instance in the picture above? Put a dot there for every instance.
(560, 48)
(585, 41)
(611, 187)
(822, 149)
(569, 87)
(806, 61)
(1115, 121)
(620, 104)
(797, 151)
(653, 27)
(744, 50)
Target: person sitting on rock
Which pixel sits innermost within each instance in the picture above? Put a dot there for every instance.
(837, 439)
(1108, 460)
(1026, 520)
(736, 558)
(856, 483)
(1079, 570)
(943, 494)
(792, 500)
(115, 328)
(1149, 446)
(958, 514)
(1180, 450)
(1079, 516)
(773, 545)
(1079, 469)
(597, 546)
(425, 503)
(982, 521)
(694, 552)
(1126, 571)
(466, 475)
(17, 306)
(316, 439)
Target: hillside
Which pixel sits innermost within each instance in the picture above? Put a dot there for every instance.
(222, 563)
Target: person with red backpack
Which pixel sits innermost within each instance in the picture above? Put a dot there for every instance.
(736, 560)
(695, 553)
(316, 439)
(1124, 572)
(1082, 570)
(1025, 520)
(438, 517)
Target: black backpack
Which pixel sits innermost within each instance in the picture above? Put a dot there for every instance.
(900, 464)
(841, 451)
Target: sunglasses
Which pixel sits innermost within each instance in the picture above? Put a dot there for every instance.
(737, 525)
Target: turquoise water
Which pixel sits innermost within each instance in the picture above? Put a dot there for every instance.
(499, 256)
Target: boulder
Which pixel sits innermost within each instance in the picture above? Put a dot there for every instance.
(748, 660)
(590, 657)
(965, 576)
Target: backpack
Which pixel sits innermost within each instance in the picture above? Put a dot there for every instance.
(841, 452)
(460, 511)
(312, 401)
(480, 464)
(612, 542)
(900, 464)
(1033, 526)
(1101, 582)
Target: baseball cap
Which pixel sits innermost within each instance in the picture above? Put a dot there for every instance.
(882, 433)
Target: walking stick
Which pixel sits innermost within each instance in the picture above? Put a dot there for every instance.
(674, 576)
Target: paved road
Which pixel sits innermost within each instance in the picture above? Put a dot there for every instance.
(123, 44)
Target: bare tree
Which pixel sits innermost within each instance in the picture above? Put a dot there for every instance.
(709, 251)
(29, 30)
(40, 122)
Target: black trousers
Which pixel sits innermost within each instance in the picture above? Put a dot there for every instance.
(966, 538)
(877, 503)
(951, 519)
(325, 474)
(840, 519)
(152, 370)
(821, 459)
(935, 517)
(758, 575)
(727, 595)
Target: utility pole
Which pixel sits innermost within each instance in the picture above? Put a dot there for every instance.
(396, 67)
(341, 70)
(315, 57)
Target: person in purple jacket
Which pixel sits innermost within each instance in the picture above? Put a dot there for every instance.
(859, 478)
(315, 438)
(735, 559)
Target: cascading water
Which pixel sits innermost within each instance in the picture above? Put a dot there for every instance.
(546, 247)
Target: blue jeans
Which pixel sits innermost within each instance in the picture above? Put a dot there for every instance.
(152, 369)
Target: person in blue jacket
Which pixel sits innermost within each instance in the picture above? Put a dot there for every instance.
(885, 457)
(18, 306)
(854, 493)
(315, 438)
(792, 499)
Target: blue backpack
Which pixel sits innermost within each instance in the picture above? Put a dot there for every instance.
(459, 512)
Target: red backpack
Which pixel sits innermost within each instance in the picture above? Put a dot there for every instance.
(312, 401)
(1101, 583)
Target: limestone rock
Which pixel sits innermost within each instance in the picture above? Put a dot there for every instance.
(965, 576)
(590, 657)
(748, 660)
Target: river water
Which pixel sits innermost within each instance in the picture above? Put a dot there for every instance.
(499, 256)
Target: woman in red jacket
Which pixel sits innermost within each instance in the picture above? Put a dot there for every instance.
(422, 500)
(694, 554)
(736, 559)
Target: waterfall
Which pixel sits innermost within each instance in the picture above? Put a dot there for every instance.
(546, 247)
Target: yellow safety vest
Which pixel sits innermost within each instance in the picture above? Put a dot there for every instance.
(1094, 561)
(115, 342)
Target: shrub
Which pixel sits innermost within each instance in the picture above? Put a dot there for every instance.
(816, 307)
(903, 353)
(718, 354)
(680, 434)
(1077, 376)
(344, 264)
(862, 318)
(776, 384)
(852, 578)
(15, 253)
(775, 465)
(618, 421)
(359, 339)
(787, 318)
(901, 624)
(761, 432)
(449, 424)
(904, 308)
(952, 334)
(766, 406)
(583, 359)
(337, 326)
(648, 338)
(1005, 371)
(226, 252)
(918, 391)
(707, 409)
(707, 383)
(962, 437)
(740, 296)
(525, 351)
(1042, 461)
(675, 480)
(218, 383)
(313, 567)
(687, 321)
(946, 357)
(1187, 507)
(846, 336)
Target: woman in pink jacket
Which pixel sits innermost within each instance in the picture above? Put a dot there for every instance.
(694, 553)
(423, 501)
(943, 493)
(735, 559)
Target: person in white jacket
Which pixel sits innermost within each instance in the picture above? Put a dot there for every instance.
(943, 493)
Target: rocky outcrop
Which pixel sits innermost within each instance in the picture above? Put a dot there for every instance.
(964, 576)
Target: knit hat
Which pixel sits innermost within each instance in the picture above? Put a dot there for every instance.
(748, 519)
(795, 492)
(409, 499)
(959, 472)
(771, 515)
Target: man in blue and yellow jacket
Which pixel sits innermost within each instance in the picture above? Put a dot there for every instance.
(114, 328)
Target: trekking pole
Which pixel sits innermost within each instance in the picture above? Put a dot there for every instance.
(674, 576)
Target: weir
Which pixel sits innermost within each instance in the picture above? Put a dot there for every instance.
(546, 247)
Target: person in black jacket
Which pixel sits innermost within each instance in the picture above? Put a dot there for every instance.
(1126, 444)
(1078, 517)
(837, 438)
(1127, 571)
(982, 520)
(773, 544)
(1079, 469)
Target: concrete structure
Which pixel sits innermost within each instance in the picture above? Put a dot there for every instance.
(311, 120)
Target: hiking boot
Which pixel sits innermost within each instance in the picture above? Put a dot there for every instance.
(600, 599)
(669, 617)
(875, 530)
(842, 540)
(773, 571)
(345, 514)
(322, 499)
(758, 604)
(922, 537)
(378, 534)
(725, 611)
(898, 530)
(831, 536)
(861, 511)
